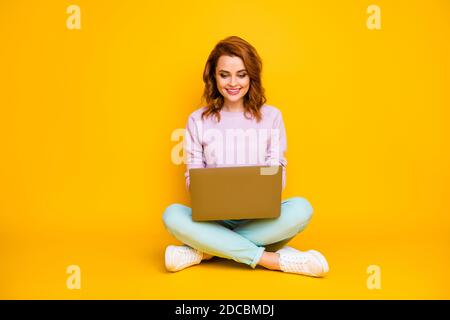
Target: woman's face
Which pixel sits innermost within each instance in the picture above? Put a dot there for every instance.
(232, 78)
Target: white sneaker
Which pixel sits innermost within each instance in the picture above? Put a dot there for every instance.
(180, 257)
(310, 263)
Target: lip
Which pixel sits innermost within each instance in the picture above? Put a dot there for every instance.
(233, 91)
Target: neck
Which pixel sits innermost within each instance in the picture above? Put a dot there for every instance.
(236, 106)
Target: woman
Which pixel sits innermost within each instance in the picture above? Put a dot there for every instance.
(235, 101)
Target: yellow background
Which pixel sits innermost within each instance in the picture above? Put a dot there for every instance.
(87, 115)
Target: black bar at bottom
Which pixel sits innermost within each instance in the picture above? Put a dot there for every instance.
(225, 309)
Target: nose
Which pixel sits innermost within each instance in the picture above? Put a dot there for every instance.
(233, 81)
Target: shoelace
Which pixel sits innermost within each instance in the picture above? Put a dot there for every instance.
(295, 262)
(188, 254)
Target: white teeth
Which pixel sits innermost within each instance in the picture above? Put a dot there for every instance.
(233, 91)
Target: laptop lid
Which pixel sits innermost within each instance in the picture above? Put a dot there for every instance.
(229, 193)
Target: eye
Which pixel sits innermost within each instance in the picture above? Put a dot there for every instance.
(242, 75)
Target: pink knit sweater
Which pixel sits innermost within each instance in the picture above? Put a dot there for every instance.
(235, 140)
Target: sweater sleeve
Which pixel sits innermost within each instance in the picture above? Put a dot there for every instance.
(193, 148)
(278, 146)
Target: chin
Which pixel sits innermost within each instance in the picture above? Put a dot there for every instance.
(234, 98)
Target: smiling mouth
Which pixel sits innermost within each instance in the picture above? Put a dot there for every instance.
(233, 91)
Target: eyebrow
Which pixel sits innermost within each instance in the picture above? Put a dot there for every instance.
(229, 72)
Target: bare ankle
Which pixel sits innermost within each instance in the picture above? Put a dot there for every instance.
(207, 256)
(270, 260)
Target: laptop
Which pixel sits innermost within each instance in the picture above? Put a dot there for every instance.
(235, 193)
